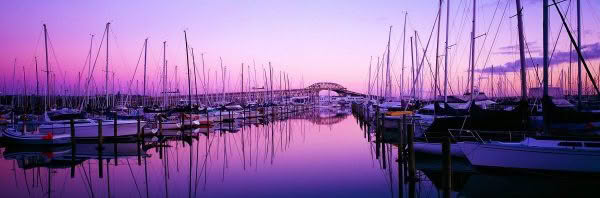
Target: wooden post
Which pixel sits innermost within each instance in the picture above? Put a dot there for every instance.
(377, 119)
(160, 127)
(100, 148)
(72, 125)
(142, 134)
(139, 132)
(399, 141)
(73, 150)
(447, 167)
(100, 165)
(411, 152)
(115, 125)
(383, 156)
(181, 117)
(377, 137)
(115, 152)
(100, 137)
(139, 152)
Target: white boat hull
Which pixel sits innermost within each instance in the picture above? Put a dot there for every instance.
(517, 156)
(90, 130)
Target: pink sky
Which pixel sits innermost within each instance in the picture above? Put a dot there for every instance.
(312, 41)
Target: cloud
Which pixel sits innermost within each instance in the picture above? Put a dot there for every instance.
(590, 52)
(514, 49)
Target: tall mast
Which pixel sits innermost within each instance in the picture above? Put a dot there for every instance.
(369, 83)
(280, 95)
(437, 54)
(145, 53)
(187, 59)
(545, 99)
(205, 81)
(415, 84)
(578, 59)
(271, 80)
(522, 52)
(47, 69)
(89, 76)
(412, 60)
(223, 80)
(403, 47)
(195, 80)
(473, 52)
(242, 81)
(446, 52)
(388, 82)
(165, 75)
(106, 79)
(37, 82)
(377, 79)
(24, 83)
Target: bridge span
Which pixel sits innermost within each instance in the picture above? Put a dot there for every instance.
(262, 95)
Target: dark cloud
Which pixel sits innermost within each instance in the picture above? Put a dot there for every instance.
(590, 52)
(514, 49)
(510, 47)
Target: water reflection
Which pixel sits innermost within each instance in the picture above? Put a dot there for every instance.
(321, 153)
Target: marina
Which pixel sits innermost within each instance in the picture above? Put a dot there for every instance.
(495, 98)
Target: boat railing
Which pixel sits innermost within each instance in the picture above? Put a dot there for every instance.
(495, 135)
(473, 134)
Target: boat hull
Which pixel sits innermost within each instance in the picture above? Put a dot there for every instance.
(436, 149)
(16, 137)
(124, 128)
(516, 156)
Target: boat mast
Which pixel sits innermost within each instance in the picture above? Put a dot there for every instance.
(412, 60)
(24, 84)
(106, 78)
(578, 58)
(369, 83)
(388, 82)
(437, 55)
(187, 59)
(446, 52)
(577, 48)
(522, 52)
(145, 53)
(473, 52)
(46, 101)
(37, 82)
(164, 75)
(416, 82)
(403, 47)
(242, 81)
(545, 99)
(205, 81)
(223, 81)
(195, 80)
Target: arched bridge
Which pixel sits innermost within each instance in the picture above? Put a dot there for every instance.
(337, 88)
(261, 94)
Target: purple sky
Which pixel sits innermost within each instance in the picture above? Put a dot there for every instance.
(312, 41)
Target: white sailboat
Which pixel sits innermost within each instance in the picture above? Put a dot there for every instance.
(536, 154)
(546, 154)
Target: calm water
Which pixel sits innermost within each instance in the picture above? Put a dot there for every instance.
(310, 156)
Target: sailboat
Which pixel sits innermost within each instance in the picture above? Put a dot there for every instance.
(551, 153)
(471, 120)
(14, 135)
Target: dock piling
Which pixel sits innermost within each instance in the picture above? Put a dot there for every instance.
(447, 167)
(411, 152)
(115, 125)
(100, 137)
